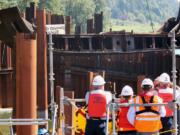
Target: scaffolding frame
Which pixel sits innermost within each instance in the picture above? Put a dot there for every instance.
(172, 34)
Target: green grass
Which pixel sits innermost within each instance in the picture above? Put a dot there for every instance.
(5, 130)
(137, 28)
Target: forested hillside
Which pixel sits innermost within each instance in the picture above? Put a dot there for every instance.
(143, 10)
(115, 11)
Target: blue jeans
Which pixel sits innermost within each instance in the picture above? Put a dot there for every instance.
(167, 123)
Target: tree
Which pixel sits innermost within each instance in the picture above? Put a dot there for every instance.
(100, 5)
(6, 4)
(55, 6)
(80, 10)
(22, 4)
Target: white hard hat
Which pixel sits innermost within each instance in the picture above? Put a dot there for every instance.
(127, 91)
(157, 78)
(98, 80)
(147, 81)
(164, 78)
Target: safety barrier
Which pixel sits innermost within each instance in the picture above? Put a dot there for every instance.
(111, 107)
(10, 122)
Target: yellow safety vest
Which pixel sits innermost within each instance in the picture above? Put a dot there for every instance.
(147, 118)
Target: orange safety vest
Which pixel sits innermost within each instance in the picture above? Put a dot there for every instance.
(122, 121)
(147, 118)
(166, 95)
(97, 105)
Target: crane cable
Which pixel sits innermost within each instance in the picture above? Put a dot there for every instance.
(152, 25)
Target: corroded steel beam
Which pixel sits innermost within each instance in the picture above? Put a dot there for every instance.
(12, 22)
(68, 25)
(90, 26)
(42, 93)
(31, 12)
(26, 79)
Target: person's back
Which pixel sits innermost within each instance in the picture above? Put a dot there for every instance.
(123, 125)
(146, 120)
(97, 104)
(166, 93)
(96, 100)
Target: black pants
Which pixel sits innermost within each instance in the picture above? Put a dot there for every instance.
(167, 123)
(126, 132)
(95, 127)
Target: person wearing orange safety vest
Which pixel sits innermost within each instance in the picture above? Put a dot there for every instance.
(166, 93)
(146, 120)
(96, 100)
(123, 125)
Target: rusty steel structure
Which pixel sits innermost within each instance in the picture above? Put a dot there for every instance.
(76, 55)
(26, 77)
(121, 57)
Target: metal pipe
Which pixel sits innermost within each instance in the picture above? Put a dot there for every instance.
(150, 104)
(51, 77)
(172, 34)
(62, 111)
(2, 120)
(54, 120)
(74, 100)
(114, 119)
(113, 110)
(11, 130)
(107, 120)
(23, 123)
(173, 42)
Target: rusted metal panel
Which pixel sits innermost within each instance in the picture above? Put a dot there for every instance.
(98, 22)
(12, 24)
(90, 79)
(0, 77)
(78, 29)
(57, 19)
(139, 81)
(9, 91)
(90, 26)
(26, 81)
(9, 58)
(68, 110)
(125, 66)
(42, 92)
(31, 12)
(68, 24)
(48, 18)
(0, 55)
(1, 91)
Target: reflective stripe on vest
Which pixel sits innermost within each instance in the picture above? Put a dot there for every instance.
(146, 120)
(122, 121)
(166, 95)
(97, 105)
